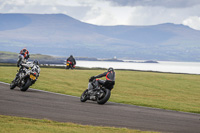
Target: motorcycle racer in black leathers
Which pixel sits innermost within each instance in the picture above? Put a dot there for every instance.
(108, 83)
(72, 60)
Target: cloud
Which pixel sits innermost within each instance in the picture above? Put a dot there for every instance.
(193, 22)
(162, 3)
(113, 12)
(72, 8)
(104, 14)
(139, 15)
(150, 16)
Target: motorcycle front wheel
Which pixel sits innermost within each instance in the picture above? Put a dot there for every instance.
(84, 96)
(26, 85)
(105, 96)
(13, 85)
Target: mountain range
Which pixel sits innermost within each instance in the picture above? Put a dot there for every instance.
(62, 35)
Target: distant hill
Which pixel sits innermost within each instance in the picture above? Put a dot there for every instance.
(62, 35)
(11, 57)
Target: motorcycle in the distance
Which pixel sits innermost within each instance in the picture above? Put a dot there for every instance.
(101, 95)
(69, 65)
(26, 76)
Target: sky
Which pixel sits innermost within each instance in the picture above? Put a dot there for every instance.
(113, 12)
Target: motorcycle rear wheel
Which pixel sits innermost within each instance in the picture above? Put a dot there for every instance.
(83, 97)
(105, 98)
(26, 85)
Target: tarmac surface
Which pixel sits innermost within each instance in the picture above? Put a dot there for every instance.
(63, 108)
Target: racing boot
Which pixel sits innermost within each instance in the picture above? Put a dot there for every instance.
(90, 88)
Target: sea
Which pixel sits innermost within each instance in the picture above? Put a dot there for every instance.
(161, 66)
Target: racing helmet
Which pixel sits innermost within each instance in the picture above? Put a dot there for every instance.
(110, 69)
(23, 51)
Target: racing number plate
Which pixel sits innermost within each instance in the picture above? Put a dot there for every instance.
(67, 64)
(32, 77)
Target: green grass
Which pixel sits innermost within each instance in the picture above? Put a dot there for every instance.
(10, 124)
(178, 92)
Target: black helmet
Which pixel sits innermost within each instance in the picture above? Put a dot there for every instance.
(36, 62)
(110, 69)
(24, 50)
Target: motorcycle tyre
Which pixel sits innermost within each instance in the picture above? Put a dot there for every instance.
(106, 97)
(26, 86)
(83, 97)
(12, 85)
(67, 67)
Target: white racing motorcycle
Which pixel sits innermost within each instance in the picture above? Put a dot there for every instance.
(26, 76)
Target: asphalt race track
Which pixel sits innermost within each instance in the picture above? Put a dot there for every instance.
(38, 104)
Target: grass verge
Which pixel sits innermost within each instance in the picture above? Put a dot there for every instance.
(11, 124)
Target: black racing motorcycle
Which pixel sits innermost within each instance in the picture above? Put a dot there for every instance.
(101, 94)
(26, 76)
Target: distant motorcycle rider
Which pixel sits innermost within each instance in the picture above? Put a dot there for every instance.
(72, 60)
(108, 83)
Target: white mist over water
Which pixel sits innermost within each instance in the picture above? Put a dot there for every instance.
(162, 66)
